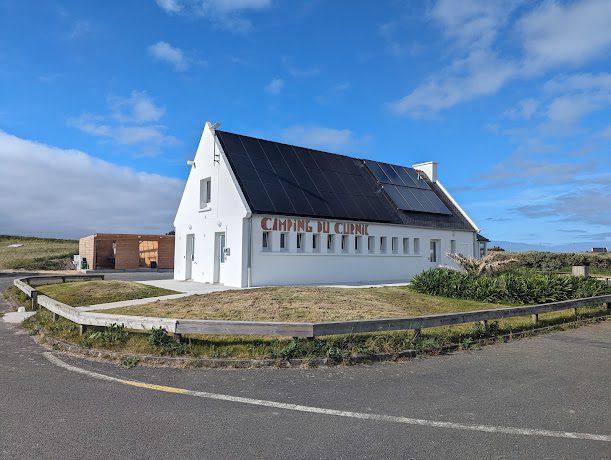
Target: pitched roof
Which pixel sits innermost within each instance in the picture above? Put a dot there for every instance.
(283, 179)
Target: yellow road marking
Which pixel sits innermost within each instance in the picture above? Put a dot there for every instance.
(151, 386)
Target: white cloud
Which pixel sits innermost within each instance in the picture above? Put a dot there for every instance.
(573, 33)
(50, 191)
(228, 14)
(131, 120)
(334, 140)
(275, 86)
(169, 6)
(163, 51)
(549, 36)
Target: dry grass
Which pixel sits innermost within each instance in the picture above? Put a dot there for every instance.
(83, 293)
(304, 304)
(36, 253)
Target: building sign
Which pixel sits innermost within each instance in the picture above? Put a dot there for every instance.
(313, 226)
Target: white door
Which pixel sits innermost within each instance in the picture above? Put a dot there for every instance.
(190, 257)
(219, 256)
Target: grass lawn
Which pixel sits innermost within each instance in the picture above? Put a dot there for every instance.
(36, 253)
(304, 304)
(83, 293)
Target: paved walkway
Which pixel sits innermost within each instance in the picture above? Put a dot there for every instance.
(185, 288)
(16, 317)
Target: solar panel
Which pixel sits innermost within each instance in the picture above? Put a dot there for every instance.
(406, 189)
(283, 179)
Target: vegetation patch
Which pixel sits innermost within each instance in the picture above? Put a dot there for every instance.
(304, 304)
(512, 286)
(340, 348)
(34, 253)
(83, 293)
(600, 264)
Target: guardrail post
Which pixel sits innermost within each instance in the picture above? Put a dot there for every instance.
(34, 295)
(417, 334)
(484, 323)
(574, 311)
(54, 316)
(82, 328)
(177, 337)
(535, 318)
(607, 305)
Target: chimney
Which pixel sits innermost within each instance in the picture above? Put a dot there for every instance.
(429, 168)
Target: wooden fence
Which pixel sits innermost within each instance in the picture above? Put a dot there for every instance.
(194, 326)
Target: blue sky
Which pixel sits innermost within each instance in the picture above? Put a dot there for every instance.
(101, 103)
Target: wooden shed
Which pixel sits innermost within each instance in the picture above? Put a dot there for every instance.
(126, 251)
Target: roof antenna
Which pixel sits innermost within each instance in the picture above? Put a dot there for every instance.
(215, 125)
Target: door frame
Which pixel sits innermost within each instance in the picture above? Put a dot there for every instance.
(189, 256)
(217, 278)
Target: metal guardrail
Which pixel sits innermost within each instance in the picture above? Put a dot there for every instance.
(309, 330)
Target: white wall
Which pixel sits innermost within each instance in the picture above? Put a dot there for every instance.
(273, 267)
(226, 213)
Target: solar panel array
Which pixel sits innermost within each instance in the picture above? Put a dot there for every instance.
(405, 188)
(284, 179)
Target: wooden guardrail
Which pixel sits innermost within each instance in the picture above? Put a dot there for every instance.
(205, 327)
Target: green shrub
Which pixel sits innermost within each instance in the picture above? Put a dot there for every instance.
(555, 261)
(112, 335)
(514, 286)
(164, 344)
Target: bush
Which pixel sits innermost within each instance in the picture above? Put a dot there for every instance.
(112, 335)
(554, 261)
(164, 344)
(513, 287)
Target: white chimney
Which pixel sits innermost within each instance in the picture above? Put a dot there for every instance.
(429, 168)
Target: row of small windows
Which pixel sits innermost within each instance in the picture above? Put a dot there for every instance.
(358, 245)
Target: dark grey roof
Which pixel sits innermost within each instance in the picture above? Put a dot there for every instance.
(283, 179)
(482, 238)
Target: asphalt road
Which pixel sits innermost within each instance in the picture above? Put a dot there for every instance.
(558, 382)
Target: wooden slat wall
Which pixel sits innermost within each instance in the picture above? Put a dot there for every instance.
(86, 247)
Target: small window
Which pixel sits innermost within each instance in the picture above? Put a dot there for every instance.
(394, 244)
(316, 242)
(205, 192)
(344, 243)
(434, 255)
(358, 244)
(405, 245)
(371, 244)
(452, 246)
(330, 243)
(383, 244)
(300, 238)
(266, 241)
(284, 243)
(417, 246)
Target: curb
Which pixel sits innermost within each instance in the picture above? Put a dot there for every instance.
(236, 363)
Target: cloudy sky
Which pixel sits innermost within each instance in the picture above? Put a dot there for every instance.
(101, 103)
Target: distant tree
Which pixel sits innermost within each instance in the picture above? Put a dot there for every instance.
(171, 232)
(496, 248)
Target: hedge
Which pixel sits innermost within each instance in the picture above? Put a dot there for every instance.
(509, 287)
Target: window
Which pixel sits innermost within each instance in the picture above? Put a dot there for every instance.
(371, 244)
(300, 238)
(383, 244)
(405, 245)
(330, 243)
(357, 244)
(344, 243)
(394, 245)
(316, 242)
(452, 246)
(417, 246)
(434, 257)
(284, 243)
(205, 191)
(266, 241)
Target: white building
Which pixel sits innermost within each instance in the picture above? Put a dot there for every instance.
(256, 213)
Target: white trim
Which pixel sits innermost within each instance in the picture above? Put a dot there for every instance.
(455, 203)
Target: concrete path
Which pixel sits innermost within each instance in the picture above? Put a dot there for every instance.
(185, 288)
(16, 317)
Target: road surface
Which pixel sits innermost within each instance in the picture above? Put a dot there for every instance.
(529, 398)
